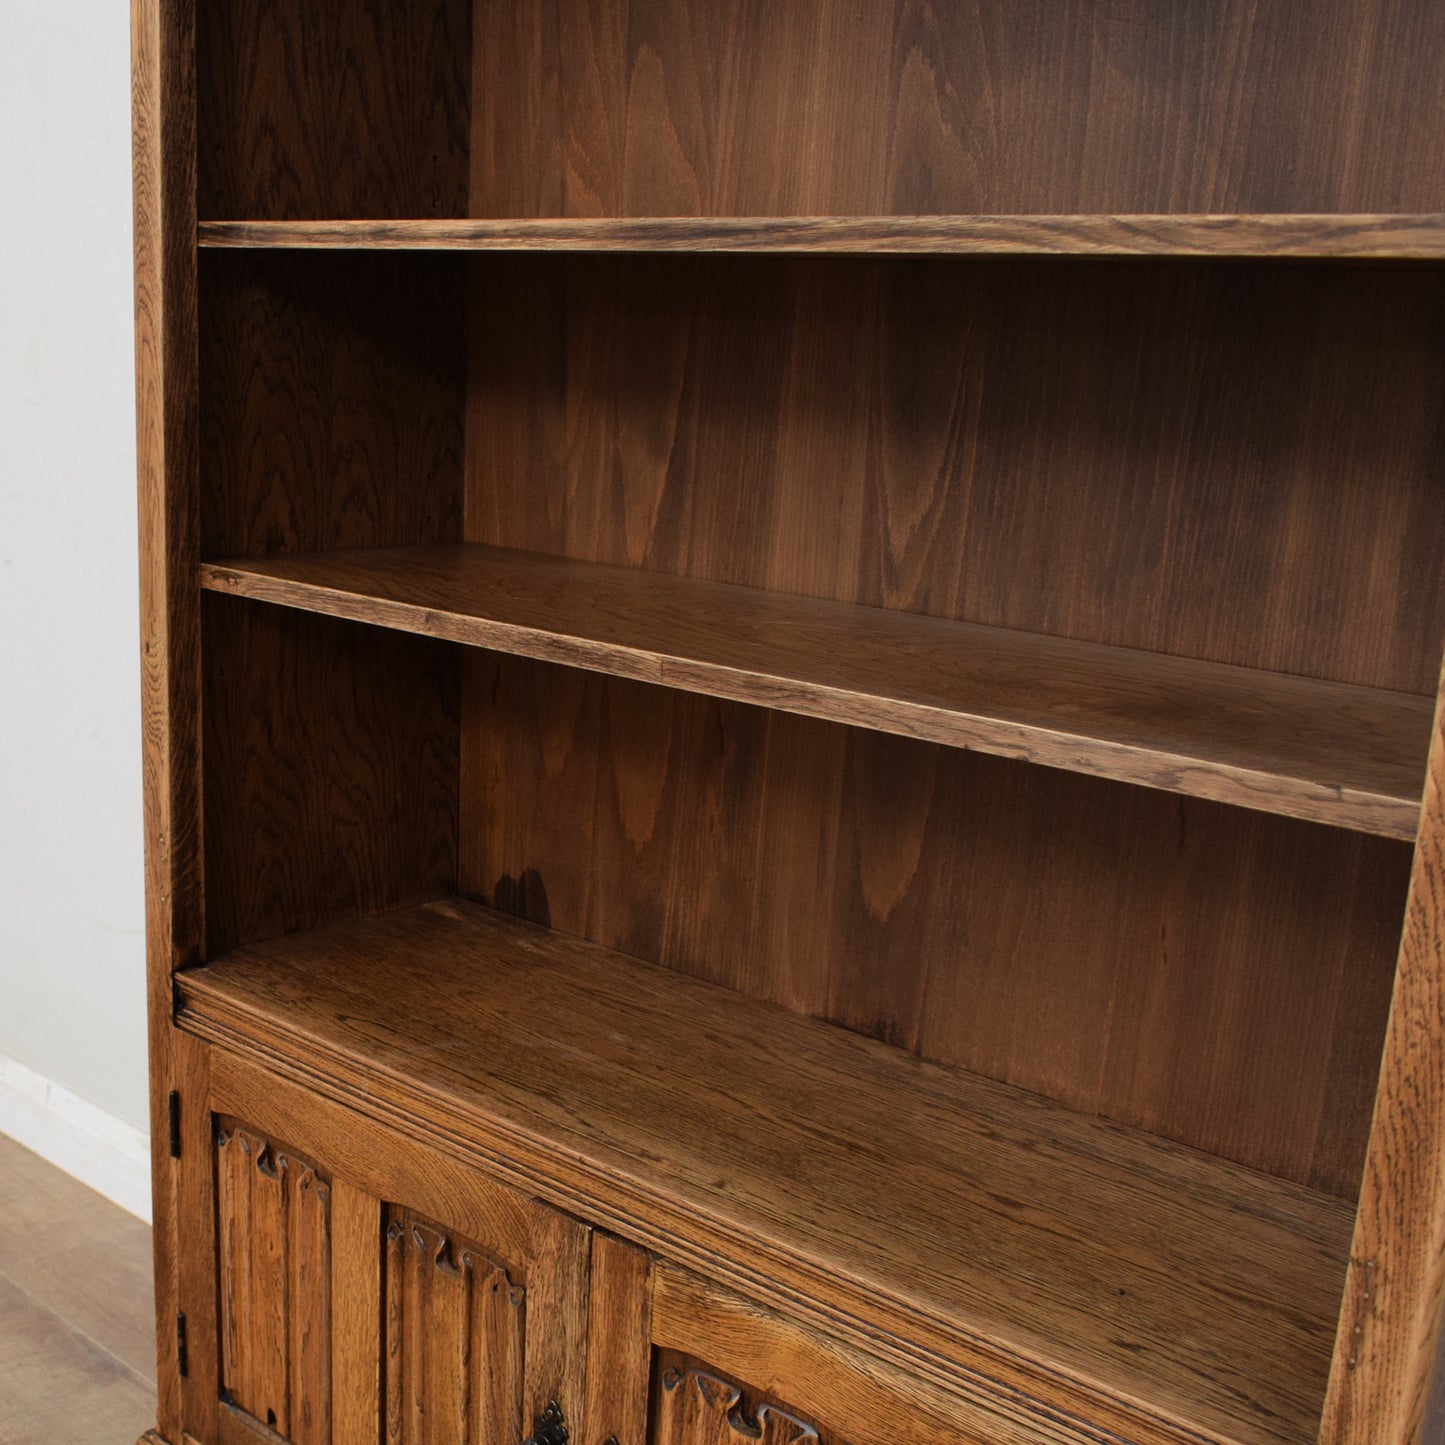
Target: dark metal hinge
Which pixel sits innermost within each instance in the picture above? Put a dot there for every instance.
(182, 1361)
(174, 1103)
(549, 1428)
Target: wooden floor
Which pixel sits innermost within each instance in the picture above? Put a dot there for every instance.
(77, 1335)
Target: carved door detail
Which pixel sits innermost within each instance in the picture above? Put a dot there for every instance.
(274, 1213)
(454, 1340)
(693, 1406)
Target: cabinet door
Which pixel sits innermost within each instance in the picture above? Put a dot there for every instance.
(723, 1370)
(370, 1288)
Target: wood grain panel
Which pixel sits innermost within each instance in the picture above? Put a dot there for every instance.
(1224, 462)
(357, 1292)
(1218, 977)
(755, 1145)
(333, 108)
(838, 1386)
(825, 107)
(1328, 752)
(454, 1340)
(275, 1276)
(619, 1343)
(331, 411)
(385, 1162)
(1392, 1326)
(557, 1300)
(163, 155)
(198, 1217)
(695, 1407)
(331, 770)
(1300, 237)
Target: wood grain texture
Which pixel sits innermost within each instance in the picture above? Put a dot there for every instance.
(454, 1340)
(837, 1386)
(696, 1407)
(823, 107)
(331, 417)
(1215, 976)
(1391, 1324)
(386, 1162)
(557, 1323)
(1326, 752)
(1224, 462)
(331, 412)
(197, 1221)
(357, 1289)
(164, 191)
(1296, 237)
(331, 770)
(619, 1343)
(339, 108)
(275, 1285)
(756, 1141)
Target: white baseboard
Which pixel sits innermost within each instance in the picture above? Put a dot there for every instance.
(108, 1154)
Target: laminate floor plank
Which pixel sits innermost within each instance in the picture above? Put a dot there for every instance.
(77, 1344)
(79, 1256)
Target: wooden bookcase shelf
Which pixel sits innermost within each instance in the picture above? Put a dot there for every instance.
(1322, 751)
(757, 1133)
(1305, 237)
(794, 783)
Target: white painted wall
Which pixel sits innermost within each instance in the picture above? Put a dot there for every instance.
(72, 1010)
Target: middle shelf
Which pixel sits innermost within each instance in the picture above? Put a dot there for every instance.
(1322, 751)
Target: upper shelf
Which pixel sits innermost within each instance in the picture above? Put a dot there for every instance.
(1324, 751)
(1382, 237)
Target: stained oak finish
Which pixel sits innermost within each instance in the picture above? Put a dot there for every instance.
(331, 400)
(276, 1285)
(357, 1342)
(675, 107)
(1393, 1322)
(696, 1407)
(619, 1345)
(838, 1386)
(1297, 237)
(1220, 450)
(331, 770)
(1216, 976)
(454, 1339)
(1224, 462)
(167, 460)
(757, 1135)
(1327, 752)
(345, 109)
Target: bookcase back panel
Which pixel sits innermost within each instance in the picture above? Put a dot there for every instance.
(331, 401)
(1226, 461)
(819, 107)
(331, 109)
(1216, 976)
(330, 763)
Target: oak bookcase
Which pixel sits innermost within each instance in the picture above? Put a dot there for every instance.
(790, 656)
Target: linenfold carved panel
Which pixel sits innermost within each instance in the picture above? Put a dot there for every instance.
(275, 1260)
(454, 1340)
(696, 1407)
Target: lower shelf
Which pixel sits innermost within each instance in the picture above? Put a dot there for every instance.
(939, 1216)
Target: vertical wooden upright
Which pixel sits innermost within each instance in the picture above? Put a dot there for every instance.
(1388, 1355)
(164, 141)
